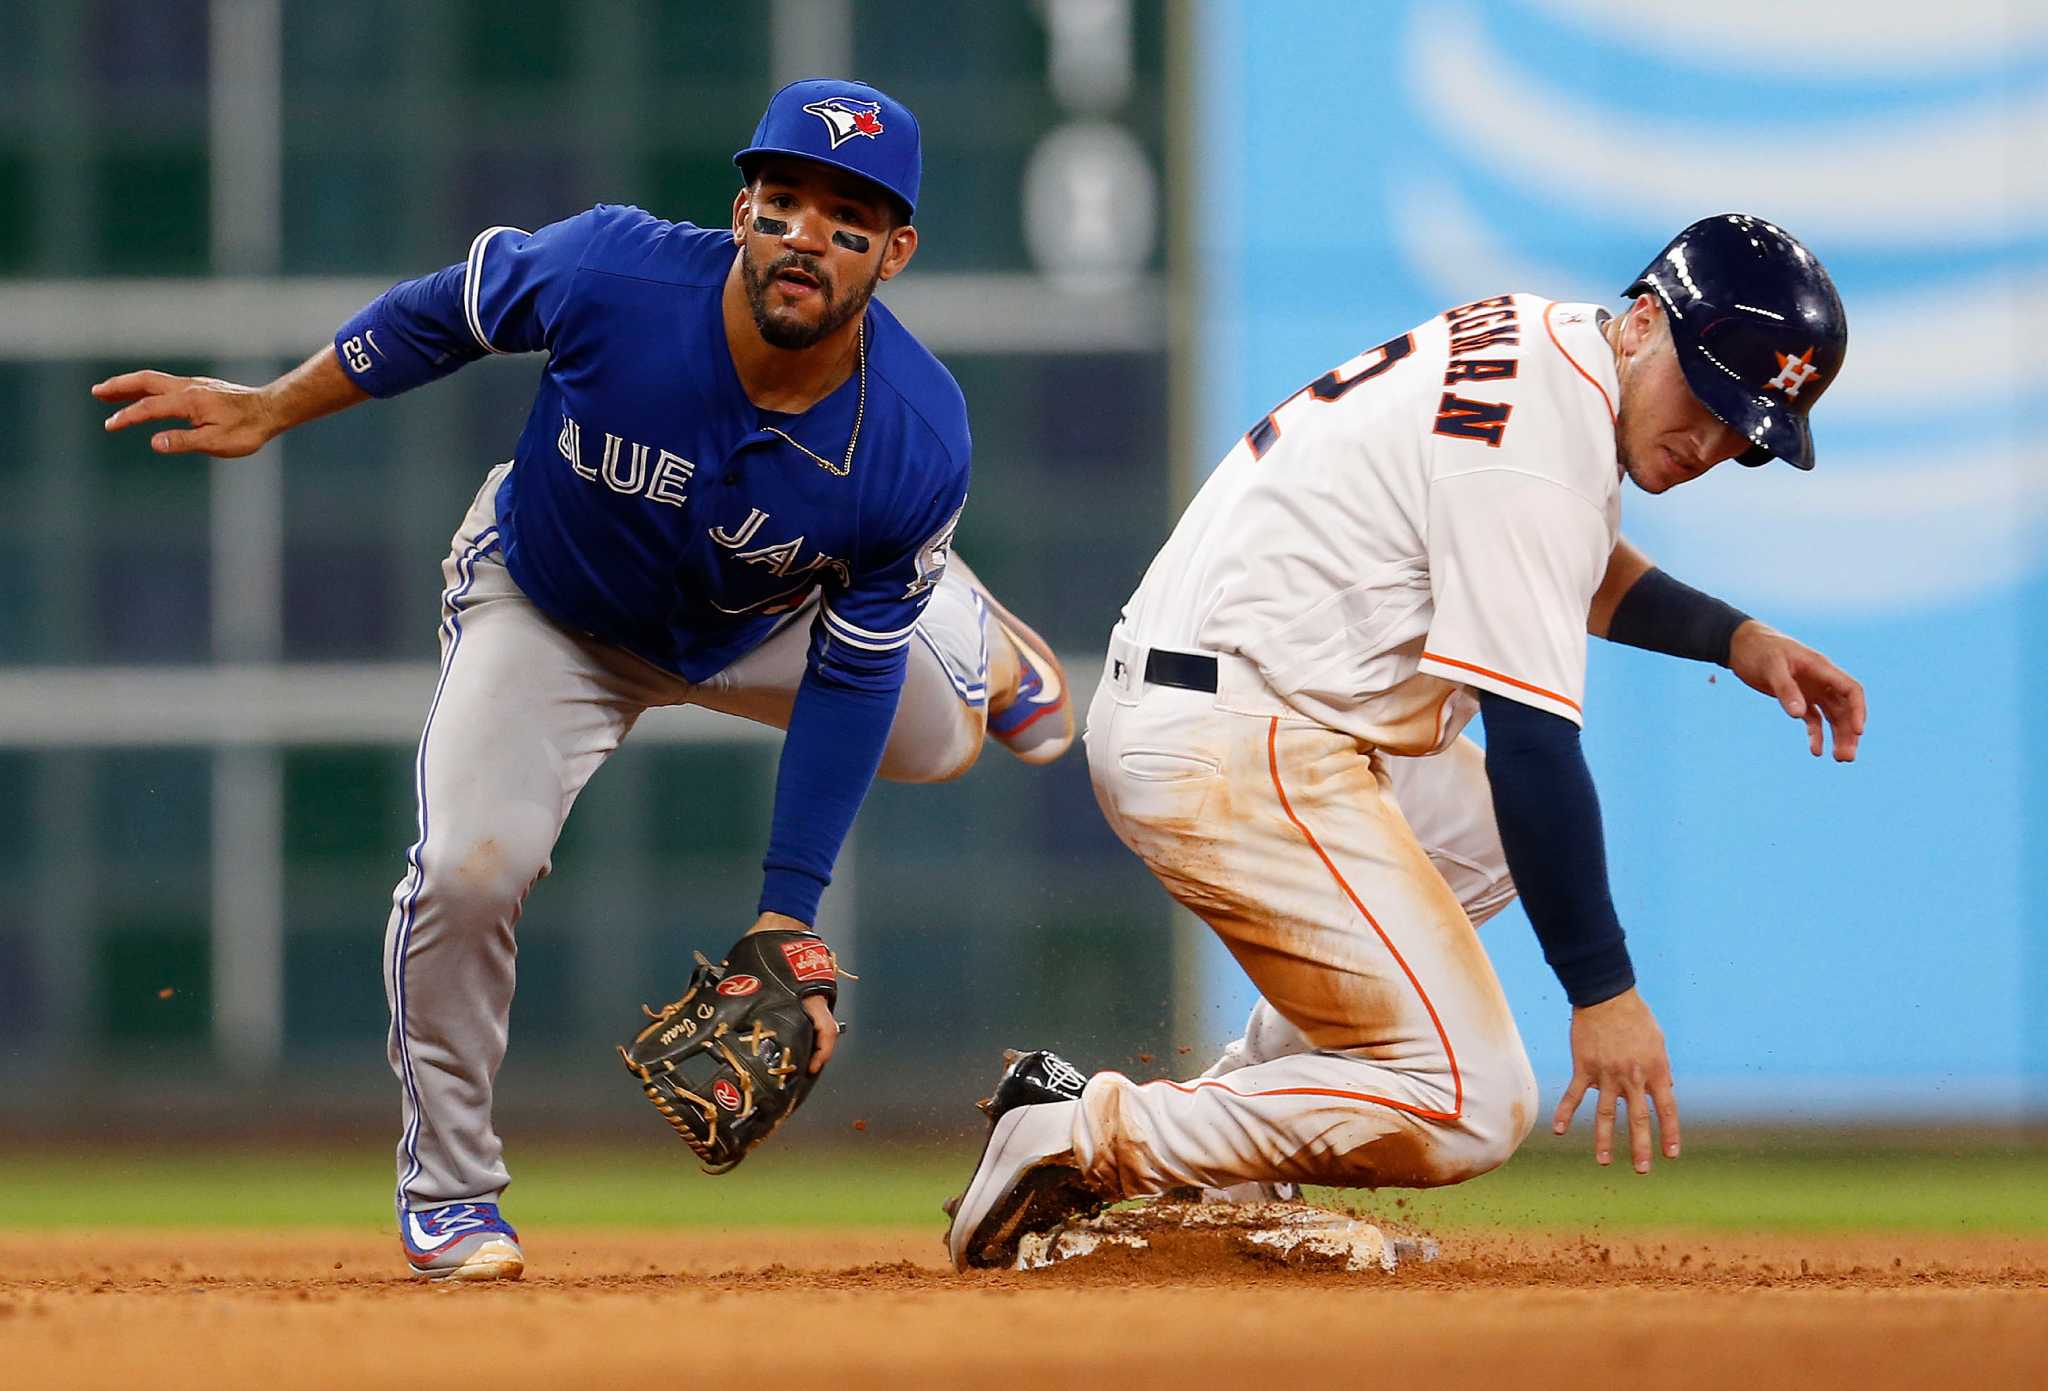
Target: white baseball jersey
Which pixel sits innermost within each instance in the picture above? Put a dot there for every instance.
(1434, 515)
(1431, 517)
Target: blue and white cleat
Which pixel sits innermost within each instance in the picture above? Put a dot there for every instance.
(462, 1241)
(1037, 726)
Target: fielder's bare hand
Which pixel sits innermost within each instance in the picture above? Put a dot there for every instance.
(1807, 684)
(815, 1006)
(227, 420)
(1618, 1051)
(828, 1032)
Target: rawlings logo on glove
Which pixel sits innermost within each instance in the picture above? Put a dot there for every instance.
(728, 1062)
(810, 962)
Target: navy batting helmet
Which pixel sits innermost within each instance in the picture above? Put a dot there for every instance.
(1758, 327)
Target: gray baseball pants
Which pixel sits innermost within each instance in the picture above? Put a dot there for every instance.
(524, 713)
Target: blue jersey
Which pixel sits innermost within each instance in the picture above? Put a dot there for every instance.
(653, 506)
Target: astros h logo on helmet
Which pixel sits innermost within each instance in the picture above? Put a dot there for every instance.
(846, 118)
(1793, 372)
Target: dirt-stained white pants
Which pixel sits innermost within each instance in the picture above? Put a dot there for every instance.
(1348, 885)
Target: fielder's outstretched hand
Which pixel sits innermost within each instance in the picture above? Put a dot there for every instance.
(1807, 684)
(1618, 1051)
(227, 420)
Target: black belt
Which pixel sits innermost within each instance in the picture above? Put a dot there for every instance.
(1191, 671)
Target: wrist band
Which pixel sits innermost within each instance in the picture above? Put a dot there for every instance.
(1661, 614)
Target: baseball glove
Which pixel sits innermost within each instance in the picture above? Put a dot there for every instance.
(726, 1064)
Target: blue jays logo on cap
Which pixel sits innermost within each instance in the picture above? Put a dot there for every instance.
(818, 118)
(846, 119)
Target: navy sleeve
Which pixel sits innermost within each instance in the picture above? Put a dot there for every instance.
(836, 734)
(860, 645)
(506, 297)
(1549, 817)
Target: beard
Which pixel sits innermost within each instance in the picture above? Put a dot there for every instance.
(789, 333)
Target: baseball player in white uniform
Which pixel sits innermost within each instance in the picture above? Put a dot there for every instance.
(1427, 532)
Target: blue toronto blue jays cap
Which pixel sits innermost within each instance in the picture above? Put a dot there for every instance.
(848, 125)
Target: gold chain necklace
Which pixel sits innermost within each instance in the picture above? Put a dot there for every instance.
(840, 470)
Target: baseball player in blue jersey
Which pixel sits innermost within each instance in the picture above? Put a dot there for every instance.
(737, 488)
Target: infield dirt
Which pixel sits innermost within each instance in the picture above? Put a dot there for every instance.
(175, 1310)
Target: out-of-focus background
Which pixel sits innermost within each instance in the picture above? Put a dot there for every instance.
(1862, 941)
(216, 673)
(1144, 224)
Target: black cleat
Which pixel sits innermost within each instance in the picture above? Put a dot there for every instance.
(1032, 1079)
(1027, 1180)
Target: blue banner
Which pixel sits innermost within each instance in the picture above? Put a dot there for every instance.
(1815, 938)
